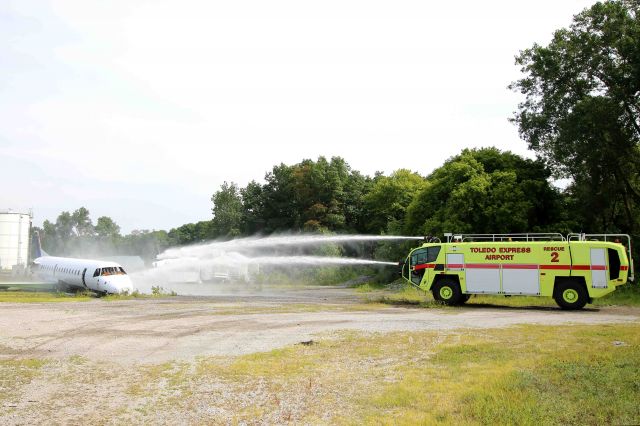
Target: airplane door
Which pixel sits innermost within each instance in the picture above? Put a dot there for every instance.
(84, 283)
(598, 268)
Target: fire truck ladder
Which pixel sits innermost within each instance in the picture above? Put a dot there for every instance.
(529, 236)
(608, 237)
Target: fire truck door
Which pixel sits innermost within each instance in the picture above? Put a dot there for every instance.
(422, 264)
(418, 265)
(598, 268)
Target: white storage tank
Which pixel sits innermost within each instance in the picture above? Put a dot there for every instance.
(14, 239)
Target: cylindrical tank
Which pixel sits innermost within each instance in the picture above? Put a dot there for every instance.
(14, 239)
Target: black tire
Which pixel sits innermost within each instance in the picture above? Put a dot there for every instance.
(447, 291)
(571, 295)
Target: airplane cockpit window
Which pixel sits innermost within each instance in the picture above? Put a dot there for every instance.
(97, 272)
(113, 270)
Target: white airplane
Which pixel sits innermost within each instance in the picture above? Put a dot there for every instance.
(80, 274)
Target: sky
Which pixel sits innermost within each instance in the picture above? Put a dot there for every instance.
(140, 110)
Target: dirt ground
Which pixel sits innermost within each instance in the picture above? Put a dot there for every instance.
(142, 331)
(183, 360)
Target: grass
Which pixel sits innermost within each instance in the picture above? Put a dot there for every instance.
(519, 375)
(527, 375)
(14, 374)
(22, 296)
(628, 295)
(40, 297)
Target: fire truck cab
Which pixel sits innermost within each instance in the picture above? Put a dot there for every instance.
(573, 270)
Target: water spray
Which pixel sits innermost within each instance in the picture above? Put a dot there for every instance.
(215, 247)
(239, 259)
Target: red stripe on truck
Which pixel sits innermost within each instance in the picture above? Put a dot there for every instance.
(482, 266)
(556, 267)
(624, 268)
(581, 267)
(425, 266)
(525, 266)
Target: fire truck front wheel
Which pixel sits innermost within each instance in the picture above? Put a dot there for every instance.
(571, 295)
(447, 291)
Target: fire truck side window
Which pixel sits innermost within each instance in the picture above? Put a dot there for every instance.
(433, 254)
(614, 264)
(419, 257)
(426, 255)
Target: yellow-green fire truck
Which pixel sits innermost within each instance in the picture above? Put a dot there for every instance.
(573, 270)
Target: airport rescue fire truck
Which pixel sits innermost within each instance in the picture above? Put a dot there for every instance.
(573, 270)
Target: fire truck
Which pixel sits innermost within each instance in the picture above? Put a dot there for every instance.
(573, 270)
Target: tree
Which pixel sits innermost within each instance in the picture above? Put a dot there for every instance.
(280, 205)
(227, 210)
(253, 213)
(315, 196)
(387, 201)
(486, 191)
(82, 223)
(48, 237)
(582, 107)
(107, 228)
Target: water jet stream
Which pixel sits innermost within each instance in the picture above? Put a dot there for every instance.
(215, 247)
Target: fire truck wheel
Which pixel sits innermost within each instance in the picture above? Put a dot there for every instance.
(447, 291)
(571, 295)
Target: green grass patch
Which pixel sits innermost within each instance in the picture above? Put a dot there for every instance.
(156, 292)
(407, 295)
(518, 375)
(523, 375)
(369, 287)
(625, 295)
(41, 296)
(14, 374)
(280, 363)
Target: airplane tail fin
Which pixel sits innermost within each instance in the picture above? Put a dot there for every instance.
(37, 246)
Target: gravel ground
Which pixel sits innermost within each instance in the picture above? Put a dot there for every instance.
(181, 328)
(139, 361)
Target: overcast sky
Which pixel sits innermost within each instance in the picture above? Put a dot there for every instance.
(139, 110)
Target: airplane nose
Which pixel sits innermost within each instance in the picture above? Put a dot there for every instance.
(123, 284)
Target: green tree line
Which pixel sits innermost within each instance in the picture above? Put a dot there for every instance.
(480, 190)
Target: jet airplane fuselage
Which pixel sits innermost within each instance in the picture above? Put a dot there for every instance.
(94, 275)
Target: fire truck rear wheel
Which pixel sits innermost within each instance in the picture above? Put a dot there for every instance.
(571, 295)
(447, 291)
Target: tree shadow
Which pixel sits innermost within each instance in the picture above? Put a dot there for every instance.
(525, 308)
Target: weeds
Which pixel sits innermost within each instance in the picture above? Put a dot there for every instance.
(40, 296)
(407, 295)
(519, 375)
(16, 373)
